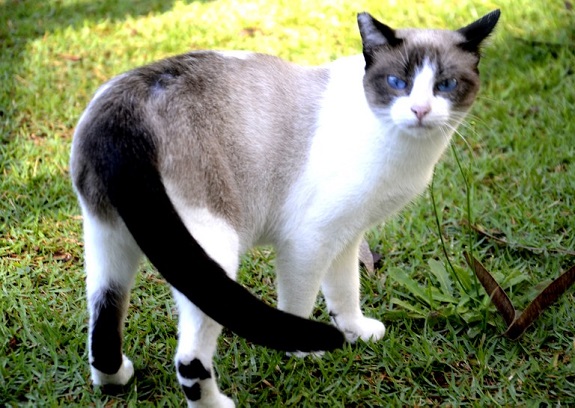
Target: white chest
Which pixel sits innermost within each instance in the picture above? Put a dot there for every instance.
(361, 168)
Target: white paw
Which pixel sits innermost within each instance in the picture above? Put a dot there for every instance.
(217, 401)
(360, 327)
(122, 377)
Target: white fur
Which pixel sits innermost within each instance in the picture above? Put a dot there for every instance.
(111, 254)
(198, 339)
(111, 260)
(236, 54)
(122, 377)
(363, 166)
(198, 333)
(421, 96)
(215, 235)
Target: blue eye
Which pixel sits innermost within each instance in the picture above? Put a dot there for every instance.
(396, 83)
(447, 85)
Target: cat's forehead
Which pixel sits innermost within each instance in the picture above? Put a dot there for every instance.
(437, 47)
(430, 38)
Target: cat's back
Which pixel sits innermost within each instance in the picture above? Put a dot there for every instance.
(243, 82)
(230, 130)
(215, 83)
(212, 100)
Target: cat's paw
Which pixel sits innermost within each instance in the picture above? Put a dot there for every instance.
(360, 327)
(122, 377)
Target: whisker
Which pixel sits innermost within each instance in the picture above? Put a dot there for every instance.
(487, 98)
(469, 116)
(456, 131)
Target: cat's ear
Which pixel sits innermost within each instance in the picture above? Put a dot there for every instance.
(478, 31)
(374, 34)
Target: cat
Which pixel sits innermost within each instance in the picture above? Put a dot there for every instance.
(194, 159)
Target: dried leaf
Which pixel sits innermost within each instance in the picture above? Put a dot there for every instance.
(545, 299)
(517, 321)
(500, 239)
(495, 292)
(366, 257)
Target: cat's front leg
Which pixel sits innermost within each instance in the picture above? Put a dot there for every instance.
(341, 288)
(299, 276)
(300, 270)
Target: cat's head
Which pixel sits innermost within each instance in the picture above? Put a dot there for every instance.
(422, 79)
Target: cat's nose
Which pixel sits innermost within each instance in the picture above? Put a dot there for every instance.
(420, 111)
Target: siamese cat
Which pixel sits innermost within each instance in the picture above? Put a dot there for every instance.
(194, 159)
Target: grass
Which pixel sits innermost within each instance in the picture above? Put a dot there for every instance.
(520, 165)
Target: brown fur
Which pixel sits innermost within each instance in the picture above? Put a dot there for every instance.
(211, 148)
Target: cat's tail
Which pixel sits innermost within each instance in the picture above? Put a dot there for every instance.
(117, 154)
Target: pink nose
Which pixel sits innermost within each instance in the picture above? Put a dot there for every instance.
(421, 111)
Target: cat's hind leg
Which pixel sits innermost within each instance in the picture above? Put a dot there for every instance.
(341, 289)
(198, 333)
(111, 261)
(197, 342)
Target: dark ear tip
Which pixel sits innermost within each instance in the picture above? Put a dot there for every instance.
(363, 16)
(491, 19)
(476, 32)
(494, 15)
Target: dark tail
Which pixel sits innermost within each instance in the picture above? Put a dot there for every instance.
(122, 153)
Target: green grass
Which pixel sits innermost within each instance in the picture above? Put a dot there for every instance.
(521, 167)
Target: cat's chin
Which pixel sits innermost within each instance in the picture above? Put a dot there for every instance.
(422, 130)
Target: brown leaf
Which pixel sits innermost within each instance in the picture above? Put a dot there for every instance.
(495, 292)
(366, 257)
(545, 299)
(517, 321)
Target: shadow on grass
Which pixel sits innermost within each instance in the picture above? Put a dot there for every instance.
(22, 21)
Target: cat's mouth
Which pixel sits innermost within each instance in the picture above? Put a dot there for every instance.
(415, 125)
(422, 125)
(422, 129)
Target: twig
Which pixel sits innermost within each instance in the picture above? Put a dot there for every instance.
(505, 242)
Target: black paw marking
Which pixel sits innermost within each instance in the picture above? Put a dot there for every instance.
(194, 370)
(193, 393)
(107, 332)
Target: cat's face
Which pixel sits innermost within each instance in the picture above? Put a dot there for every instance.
(422, 80)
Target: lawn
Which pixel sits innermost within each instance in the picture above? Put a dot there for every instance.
(511, 177)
